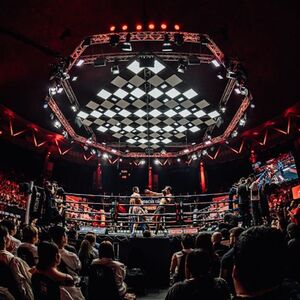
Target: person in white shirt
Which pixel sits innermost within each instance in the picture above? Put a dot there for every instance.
(70, 262)
(30, 237)
(12, 230)
(107, 258)
(255, 199)
(19, 268)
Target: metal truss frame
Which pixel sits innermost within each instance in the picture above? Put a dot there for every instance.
(149, 36)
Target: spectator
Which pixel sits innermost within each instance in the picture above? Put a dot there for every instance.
(219, 248)
(70, 262)
(91, 237)
(86, 256)
(259, 266)
(227, 259)
(30, 237)
(107, 258)
(293, 251)
(203, 241)
(177, 268)
(201, 285)
(18, 267)
(12, 230)
(47, 280)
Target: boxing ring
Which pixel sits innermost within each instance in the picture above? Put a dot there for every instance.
(183, 213)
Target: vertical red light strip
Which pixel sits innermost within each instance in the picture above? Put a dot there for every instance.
(98, 179)
(150, 178)
(202, 178)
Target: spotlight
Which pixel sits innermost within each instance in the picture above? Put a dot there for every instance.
(176, 27)
(156, 161)
(178, 159)
(86, 148)
(223, 109)
(57, 124)
(74, 78)
(163, 26)
(105, 156)
(139, 27)
(112, 28)
(178, 39)
(60, 90)
(45, 105)
(242, 122)
(115, 69)
(186, 150)
(208, 142)
(142, 162)
(74, 108)
(80, 62)
(220, 76)
(252, 105)
(234, 133)
(114, 40)
(65, 134)
(167, 47)
(151, 26)
(182, 66)
(237, 90)
(126, 46)
(120, 160)
(204, 152)
(51, 116)
(93, 151)
(194, 157)
(215, 63)
(124, 27)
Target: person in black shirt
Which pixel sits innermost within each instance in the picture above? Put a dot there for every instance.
(201, 285)
(243, 195)
(259, 266)
(227, 259)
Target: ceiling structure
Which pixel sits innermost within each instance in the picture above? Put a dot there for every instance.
(32, 37)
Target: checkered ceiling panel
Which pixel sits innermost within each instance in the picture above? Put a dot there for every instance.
(148, 107)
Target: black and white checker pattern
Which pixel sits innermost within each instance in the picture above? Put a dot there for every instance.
(124, 110)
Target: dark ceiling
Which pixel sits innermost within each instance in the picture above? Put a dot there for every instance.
(262, 34)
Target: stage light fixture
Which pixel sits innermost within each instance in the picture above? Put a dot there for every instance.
(105, 156)
(74, 78)
(234, 133)
(215, 63)
(237, 90)
(167, 46)
(139, 27)
(115, 68)
(204, 152)
(80, 62)
(112, 28)
(60, 90)
(124, 27)
(114, 40)
(142, 162)
(57, 124)
(186, 150)
(156, 161)
(194, 157)
(163, 26)
(220, 76)
(178, 39)
(182, 66)
(45, 105)
(65, 134)
(176, 27)
(178, 159)
(100, 62)
(93, 151)
(151, 26)
(252, 105)
(223, 109)
(242, 122)
(126, 46)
